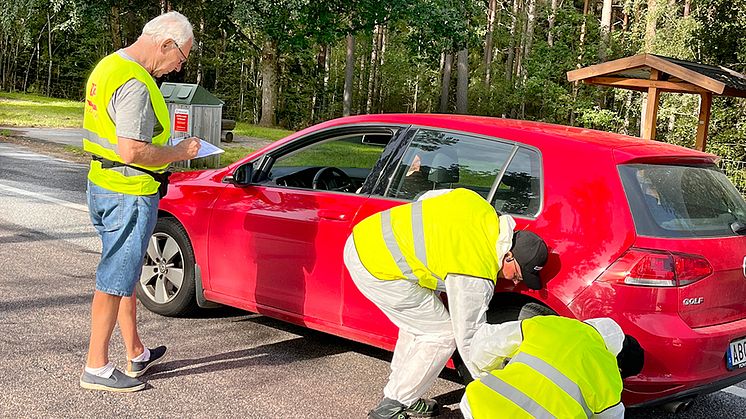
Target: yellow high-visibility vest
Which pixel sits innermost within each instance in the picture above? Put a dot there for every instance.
(453, 233)
(100, 136)
(562, 369)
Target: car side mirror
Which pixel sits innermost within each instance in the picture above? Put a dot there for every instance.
(242, 176)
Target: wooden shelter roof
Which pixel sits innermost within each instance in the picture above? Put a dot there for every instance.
(637, 73)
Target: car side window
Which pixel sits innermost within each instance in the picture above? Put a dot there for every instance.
(340, 163)
(519, 191)
(443, 160)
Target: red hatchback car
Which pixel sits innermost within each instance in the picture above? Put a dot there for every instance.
(647, 233)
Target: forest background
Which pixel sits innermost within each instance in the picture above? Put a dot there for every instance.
(293, 63)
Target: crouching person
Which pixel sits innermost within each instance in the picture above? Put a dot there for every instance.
(555, 367)
(449, 240)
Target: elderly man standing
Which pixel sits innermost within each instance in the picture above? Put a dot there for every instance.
(127, 127)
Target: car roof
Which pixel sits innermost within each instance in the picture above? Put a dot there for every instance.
(516, 130)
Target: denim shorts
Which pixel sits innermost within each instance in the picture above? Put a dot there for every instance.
(124, 223)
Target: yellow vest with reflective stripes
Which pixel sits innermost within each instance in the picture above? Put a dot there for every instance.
(100, 137)
(453, 233)
(562, 369)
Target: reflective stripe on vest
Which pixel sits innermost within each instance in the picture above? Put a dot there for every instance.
(516, 396)
(554, 375)
(455, 232)
(103, 142)
(418, 233)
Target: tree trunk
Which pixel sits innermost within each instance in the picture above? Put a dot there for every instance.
(529, 38)
(462, 82)
(510, 60)
(445, 85)
(373, 69)
(605, 29)
(416, 85)
(30, 60)
(269, 83)
(361, 80)
(650, 26)
(379, 71)
(581, 49)
(318, 90)
(551, 19)
(4, 61)
(165, 6)
(219, 52)
(349, 74)
(49, 51)
(116, 28)
(581, 46)
(325, 84)
(241, 88)
(200, 43)
(488, 42)
(687, 7)
(14, 68)
(256, 84)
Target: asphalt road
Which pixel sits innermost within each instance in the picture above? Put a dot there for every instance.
(222, 363)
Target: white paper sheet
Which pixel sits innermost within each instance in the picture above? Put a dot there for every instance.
(206, 148)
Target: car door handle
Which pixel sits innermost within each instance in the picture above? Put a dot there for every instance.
(332, 215)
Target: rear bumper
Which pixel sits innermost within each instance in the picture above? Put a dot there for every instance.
(695, 391)
(679, 361)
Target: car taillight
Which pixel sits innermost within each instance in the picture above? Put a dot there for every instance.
(655, 268)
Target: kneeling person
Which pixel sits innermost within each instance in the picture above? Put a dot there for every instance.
(558, 367)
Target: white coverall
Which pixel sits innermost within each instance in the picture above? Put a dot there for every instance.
(428, 333)
(493, 343)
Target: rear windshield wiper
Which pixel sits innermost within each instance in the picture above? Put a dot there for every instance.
(738, 227)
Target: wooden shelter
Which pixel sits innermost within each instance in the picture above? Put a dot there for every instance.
(656, 74)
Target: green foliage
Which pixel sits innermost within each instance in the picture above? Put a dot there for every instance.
(232, 34)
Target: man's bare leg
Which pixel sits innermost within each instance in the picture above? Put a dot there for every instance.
(104, 311)
(127, 319)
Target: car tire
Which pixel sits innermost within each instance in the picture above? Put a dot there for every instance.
(534, 309)
(167, 285)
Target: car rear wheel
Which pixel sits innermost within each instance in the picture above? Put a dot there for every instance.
(166, 285)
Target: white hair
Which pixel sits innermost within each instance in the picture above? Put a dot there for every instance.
(171, 25)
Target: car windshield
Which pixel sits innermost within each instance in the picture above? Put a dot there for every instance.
(682, 201)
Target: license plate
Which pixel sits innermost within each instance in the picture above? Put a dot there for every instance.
(736, 355)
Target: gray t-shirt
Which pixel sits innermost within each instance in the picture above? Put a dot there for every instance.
(131, 110)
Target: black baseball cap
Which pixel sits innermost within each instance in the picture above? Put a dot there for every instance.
(530, 251)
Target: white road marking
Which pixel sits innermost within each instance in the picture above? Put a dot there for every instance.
(43, 197)
(736, 391)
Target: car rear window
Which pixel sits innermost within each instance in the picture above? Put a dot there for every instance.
(682, 201)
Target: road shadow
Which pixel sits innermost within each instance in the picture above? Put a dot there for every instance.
(279, 353)
(310, 344)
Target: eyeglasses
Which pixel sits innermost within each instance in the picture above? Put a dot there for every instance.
(181, 61)
(517, 275)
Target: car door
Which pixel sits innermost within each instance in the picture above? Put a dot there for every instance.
(276, 245)
(438, 159)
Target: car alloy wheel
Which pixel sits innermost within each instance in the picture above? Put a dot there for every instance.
(163, 271)
(167, 283)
